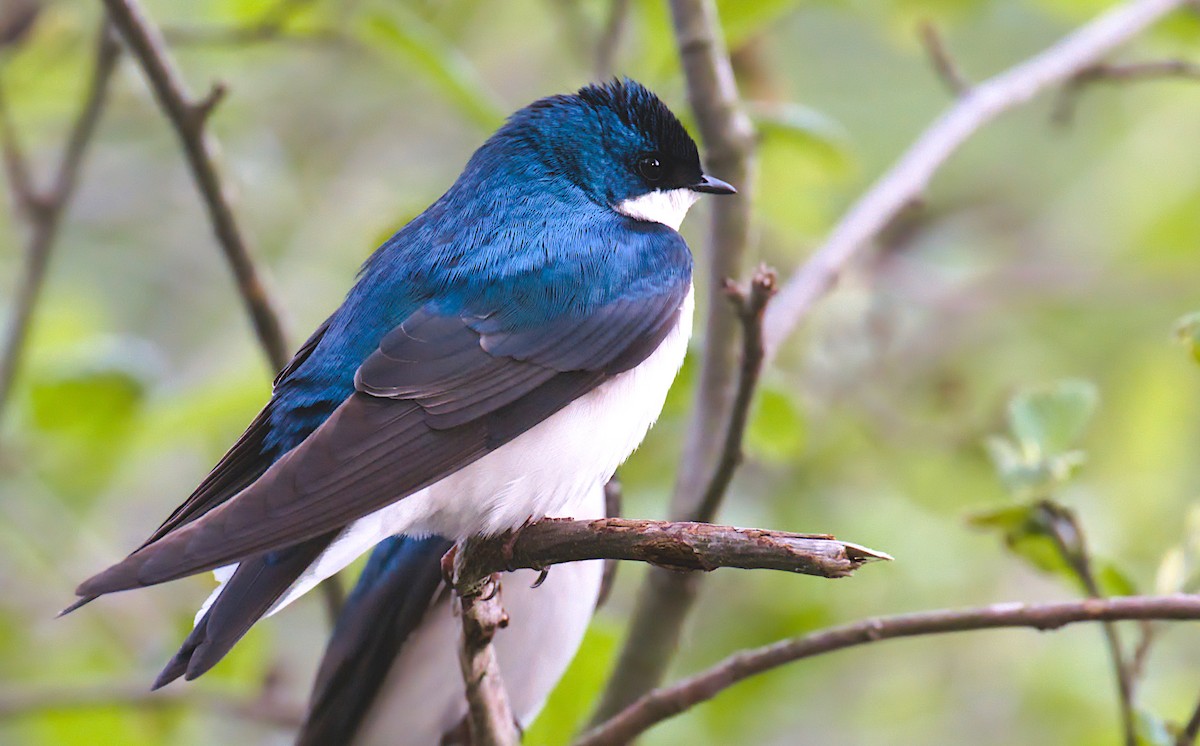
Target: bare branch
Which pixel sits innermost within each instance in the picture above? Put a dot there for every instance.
(672, 700)
(677, 546)
(188, 116)
(907, 179)
(490, 720)
(942, 62)
(674, 546)
(665, 599)
(44, 210)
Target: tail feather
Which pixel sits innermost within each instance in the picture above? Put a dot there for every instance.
(248, 594)
(393, 593)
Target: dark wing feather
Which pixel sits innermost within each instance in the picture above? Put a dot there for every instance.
(376, 449)
(393, 595)
(254, 587)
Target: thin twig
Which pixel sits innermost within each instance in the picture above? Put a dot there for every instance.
(188, 116)
(942, 62)
(672, 700)
(1132, 72)
(907, 179)
(490, 719)
(44, 210)
(1067, 534)
(1187, 736)
(610, 39)
(749, 303)
(665, 599)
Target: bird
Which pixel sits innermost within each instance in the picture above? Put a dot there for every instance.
(494, 362)
(391, 663)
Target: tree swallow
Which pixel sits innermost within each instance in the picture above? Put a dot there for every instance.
(494, 363)
(391, 671)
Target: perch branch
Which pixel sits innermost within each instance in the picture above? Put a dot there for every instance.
(907, 179)
(677, 546)
(665, 599)
(490, 719)
(44, 210)
(669, 701)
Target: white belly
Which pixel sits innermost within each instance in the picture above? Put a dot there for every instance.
(547, 471)
(423, 695)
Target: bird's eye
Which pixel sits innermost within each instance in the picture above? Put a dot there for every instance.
(651, 168)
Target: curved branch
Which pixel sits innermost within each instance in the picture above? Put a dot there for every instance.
(45, 210)
(188, 116)
(907, 179)
(672, 700)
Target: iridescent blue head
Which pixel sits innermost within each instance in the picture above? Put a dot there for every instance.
(617, 143)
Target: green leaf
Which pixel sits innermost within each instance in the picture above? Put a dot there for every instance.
(1187, 331)
(393, 28)
(1047, 421)
(1027, 532)
(84, 403)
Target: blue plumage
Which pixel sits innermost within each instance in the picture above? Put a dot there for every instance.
(476, 351)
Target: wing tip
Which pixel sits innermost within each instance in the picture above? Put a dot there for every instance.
(77, 603)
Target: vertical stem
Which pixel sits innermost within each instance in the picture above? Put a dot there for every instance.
(665, 598)
(45, 211)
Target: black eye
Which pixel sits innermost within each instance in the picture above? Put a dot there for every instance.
(650, 168)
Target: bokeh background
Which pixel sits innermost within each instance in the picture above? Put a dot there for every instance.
(1047, 250)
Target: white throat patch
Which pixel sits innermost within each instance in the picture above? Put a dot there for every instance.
(660, 206)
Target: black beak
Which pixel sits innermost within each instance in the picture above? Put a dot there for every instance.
(710, 185)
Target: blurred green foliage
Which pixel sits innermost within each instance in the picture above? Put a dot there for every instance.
(1042, 253)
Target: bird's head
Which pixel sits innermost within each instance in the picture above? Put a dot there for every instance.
(618, 143)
